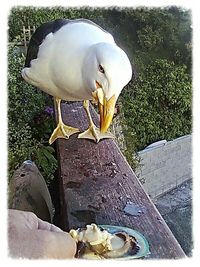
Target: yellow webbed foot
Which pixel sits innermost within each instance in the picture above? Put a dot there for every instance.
(62, 131)
(93, 133)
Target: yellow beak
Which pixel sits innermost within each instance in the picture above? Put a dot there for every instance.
(106, 108)
(106, 113)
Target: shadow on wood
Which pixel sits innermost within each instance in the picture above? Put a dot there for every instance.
(97, 183)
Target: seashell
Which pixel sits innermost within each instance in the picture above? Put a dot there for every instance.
(97, 243)
(121, 244)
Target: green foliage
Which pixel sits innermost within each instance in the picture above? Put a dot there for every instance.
(29, 16)
(28, 124)
(165, 33)
(158, 105)
(149, 39)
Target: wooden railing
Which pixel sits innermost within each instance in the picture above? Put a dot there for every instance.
(96, 183)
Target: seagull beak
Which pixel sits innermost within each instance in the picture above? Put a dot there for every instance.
(106, 113)
(106, 108)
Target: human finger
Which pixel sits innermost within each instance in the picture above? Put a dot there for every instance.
(57, 245)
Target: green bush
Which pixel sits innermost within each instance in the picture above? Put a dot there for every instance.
(29, 126)
(158, 105)
(29, 16)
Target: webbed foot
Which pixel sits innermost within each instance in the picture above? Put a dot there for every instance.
(62, 131)
(93, 133)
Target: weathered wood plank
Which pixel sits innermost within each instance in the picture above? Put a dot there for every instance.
(97, 182)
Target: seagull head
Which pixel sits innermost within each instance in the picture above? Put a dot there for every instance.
(106, 70)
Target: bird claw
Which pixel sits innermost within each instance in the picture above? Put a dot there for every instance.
(94, 133)
(62, 131)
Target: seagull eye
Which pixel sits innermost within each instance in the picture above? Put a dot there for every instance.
(101, 69)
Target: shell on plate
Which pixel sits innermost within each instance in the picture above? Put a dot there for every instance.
(96, 243)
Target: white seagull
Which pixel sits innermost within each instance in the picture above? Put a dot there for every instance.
(77, 60)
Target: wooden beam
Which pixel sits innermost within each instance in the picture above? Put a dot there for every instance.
(97, 182)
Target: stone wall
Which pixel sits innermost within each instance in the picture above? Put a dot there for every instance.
(165, 165)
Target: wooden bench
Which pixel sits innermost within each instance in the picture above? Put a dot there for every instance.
(96, 183)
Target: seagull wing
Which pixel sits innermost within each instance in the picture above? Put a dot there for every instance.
(39, 35)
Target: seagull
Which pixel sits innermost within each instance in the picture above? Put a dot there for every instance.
(77, 60)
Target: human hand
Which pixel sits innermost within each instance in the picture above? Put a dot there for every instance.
(30, 237)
